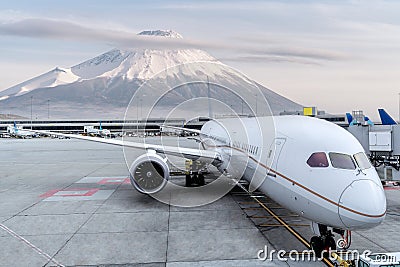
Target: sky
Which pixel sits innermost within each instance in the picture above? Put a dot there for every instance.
(337, 55)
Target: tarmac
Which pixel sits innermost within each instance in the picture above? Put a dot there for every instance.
(70, 203)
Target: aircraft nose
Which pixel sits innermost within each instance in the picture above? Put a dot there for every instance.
(362, 205)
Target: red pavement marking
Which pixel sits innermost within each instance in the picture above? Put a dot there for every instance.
(86, 192)
(49, 193)
(114, 181)
(89, 192)
(391, 187)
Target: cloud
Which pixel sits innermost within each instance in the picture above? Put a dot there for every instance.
(300, 53)
(265, 59)
(70, 31)
(64, 30)
(252, 5)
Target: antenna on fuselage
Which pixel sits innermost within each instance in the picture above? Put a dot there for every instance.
(210, 112)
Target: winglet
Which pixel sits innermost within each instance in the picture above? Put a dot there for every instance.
(101, 128)
(385, 117)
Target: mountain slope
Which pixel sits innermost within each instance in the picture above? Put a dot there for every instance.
(53, 78)
(108, 81)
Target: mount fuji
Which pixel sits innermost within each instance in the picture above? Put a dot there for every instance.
(101, 88)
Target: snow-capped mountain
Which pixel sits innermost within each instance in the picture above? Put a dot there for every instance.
(108, 81)
(137, 64)
(53, 78)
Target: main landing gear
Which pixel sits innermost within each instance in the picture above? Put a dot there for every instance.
(325, 239)
(194, 178)
(194, 173)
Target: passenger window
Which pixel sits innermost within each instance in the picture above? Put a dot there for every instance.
(318, 160)
(342, 161)
(362, 161)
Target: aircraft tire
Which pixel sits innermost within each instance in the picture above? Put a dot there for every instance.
(195, 178)
(330, 243)
(317, 245)
(188, 180)
(201, 179)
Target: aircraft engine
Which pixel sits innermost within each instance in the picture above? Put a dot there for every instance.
(149, 173)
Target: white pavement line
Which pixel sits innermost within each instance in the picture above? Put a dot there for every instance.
(38, 250)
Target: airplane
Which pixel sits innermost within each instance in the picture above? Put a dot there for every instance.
(386, 119)
(90, 130)
(352, 121)
(17, 131)
(310, 166)
(368, 121)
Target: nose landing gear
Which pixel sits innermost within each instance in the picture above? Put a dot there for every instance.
(324, 242)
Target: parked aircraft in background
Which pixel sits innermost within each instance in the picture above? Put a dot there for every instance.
(18, 131)
(386, 119)
(352, 121)
(90, 130)
(312, 167)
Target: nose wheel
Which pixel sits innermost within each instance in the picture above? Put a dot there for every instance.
(324, 242)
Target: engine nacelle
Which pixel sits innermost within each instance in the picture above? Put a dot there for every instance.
(149, 173)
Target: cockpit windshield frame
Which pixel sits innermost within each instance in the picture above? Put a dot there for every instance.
(318, 160)
(342, 161)
(362, 161)
(339, 160)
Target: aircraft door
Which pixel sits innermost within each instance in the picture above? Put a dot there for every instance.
(274, 153)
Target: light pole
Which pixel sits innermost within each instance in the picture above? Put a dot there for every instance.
(256, 104)
(137, 119)
(139, 101)
(31, 111)
(141, 108)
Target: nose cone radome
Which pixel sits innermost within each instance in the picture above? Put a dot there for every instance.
(362, 205)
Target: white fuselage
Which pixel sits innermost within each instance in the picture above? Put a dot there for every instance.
(272, 153)
(17, 131)
(90, 130)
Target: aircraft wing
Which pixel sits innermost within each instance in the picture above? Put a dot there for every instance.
(206, 156)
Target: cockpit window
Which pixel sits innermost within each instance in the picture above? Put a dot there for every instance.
(342, 161)
(318, 160)
(362, 161)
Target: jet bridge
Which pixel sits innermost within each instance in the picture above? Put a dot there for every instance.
(382, 144)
